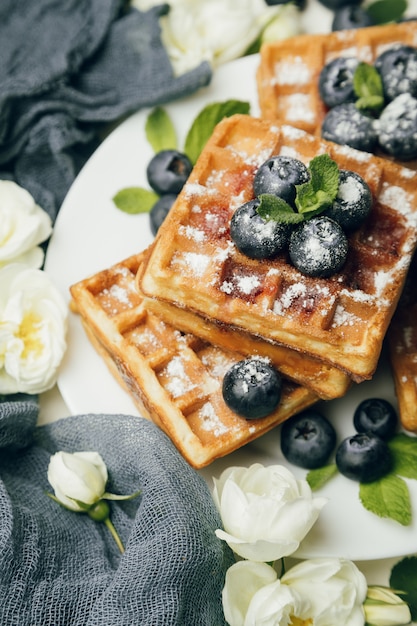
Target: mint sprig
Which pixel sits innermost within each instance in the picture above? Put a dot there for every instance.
(384, 11)
(161, 135)
(388, 497)
(367, 85)
(312, 197)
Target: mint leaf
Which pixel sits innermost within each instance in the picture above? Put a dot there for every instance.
(404, 577)
(160, 131)
(367, 85)
(135, 200)
(203, 125)
(273, 208)
(314, 196)
(316, 478)
(404, 451)
(387, 497)
(383, 11)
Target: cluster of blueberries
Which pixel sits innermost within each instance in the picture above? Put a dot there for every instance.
(308, 440)
(394, 129)
(317, 246)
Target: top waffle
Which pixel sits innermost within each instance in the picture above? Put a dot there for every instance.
(341, 320)
(289, 70)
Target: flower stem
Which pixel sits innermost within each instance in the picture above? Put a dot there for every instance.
(114, 534)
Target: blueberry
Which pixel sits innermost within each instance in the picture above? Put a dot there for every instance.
(336, 81)
(308, 439)
(160, 210)
(353, 202)
(351, 17)
(278, 176)
(364, 457)
(398, 69)
(338, 4)
(377, 416)
(167, 171)
(252, 388)
(318, 247)
(346, 125)
(255, 237)
(397, 126)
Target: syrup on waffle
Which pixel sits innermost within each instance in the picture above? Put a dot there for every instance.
(341, 320)
(174, 378)
(288, 73)
(326, 381)
(402, 341)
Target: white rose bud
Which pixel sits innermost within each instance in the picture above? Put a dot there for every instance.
(33, 320)
(23, 226)
(77, 477)
(266, 512)
(383, 607)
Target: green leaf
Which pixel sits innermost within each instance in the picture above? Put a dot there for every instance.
(273, 208)
(383, 11)
(404, 577)
(367, 85)
(316, 478)
(404, 451)
(203, 125)
(135, 200)
(115, 496)
(314, 196)
(387, 497)
(160, 131)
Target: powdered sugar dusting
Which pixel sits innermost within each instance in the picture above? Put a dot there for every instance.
(299, 108)
(294, 72)
(179, 382)
(210, 420)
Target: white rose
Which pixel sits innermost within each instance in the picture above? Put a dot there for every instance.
(77, 477)
(212, 30)
(33, 319)
(335, 588)
(265, 511)
(253, 595)
(23, 226)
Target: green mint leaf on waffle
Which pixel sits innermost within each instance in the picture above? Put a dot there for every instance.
(134, 200)
(403, 579)
(383, 11)
(273, 208)
(316, 478)
(314, 196)
(388, 497)
(404, 450)
(160, 131)
(367, 85)
(203, 125)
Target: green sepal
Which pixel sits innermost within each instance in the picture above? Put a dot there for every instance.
(160, 131)
(134, 200)
(115, 496)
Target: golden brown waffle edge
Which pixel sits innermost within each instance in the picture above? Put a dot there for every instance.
(342, 320)
(174, 378)
(288, 72)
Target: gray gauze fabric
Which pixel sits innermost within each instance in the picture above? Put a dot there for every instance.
(60, 568)
(68, 67)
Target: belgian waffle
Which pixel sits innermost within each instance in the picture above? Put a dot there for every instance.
(402, 341)
(341, 320)
(174, 378)
(289, 70)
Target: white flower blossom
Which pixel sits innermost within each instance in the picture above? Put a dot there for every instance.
(254, 596)
(266, 512)
(218, 30)
(23, 226)
(33, 320)
(336, 590)
(77, 477)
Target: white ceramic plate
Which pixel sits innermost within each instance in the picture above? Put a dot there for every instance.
(90, 234)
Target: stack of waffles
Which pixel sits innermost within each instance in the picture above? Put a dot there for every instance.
(171, 320)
